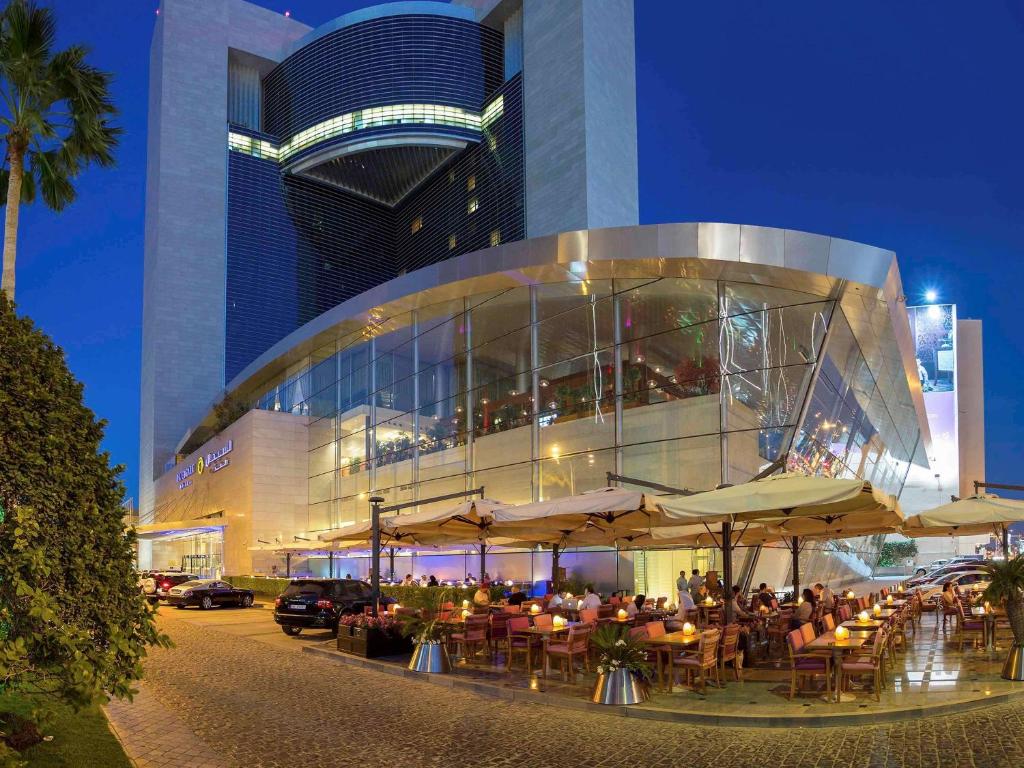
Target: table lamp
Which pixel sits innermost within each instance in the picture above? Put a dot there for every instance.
(558, 622)
(877, 609)
(687, 628)
(850, 595)
(622, 614)
(535, 609)
(888, 600)
(800, 600)
(842, 633)
(465, 613)
(863, 618)
(465, 603)
(708, 600)
(988, 607)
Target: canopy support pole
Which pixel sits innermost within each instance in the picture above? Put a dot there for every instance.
(375, 502)
(727, 570)
(796, 568)
(554, 568)
(330, 565)
(288, 564)
(978, 485)
(483, 562)
(391, 562)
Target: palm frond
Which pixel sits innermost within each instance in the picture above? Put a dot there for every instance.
(53, 178)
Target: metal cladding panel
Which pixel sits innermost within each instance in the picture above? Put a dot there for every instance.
(416, 58)
(762, 245)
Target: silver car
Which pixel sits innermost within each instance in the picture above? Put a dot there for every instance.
(966, 581)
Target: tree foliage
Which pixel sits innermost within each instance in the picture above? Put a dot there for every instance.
(74, 623)
(895, 552)
(229, 410)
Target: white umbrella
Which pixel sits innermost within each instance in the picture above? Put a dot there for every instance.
(971, 515)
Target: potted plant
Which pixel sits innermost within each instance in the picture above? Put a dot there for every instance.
(1007, 587)
(429, 633)
(371, 636)
(622, 668)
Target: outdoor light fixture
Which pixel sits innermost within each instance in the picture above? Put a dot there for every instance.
(888, 600)
(687, 628)
(535, 609)
(557, 622)
(622, 614)
(863, 618)
(899, 588)
(708, 600)
(877, 609)
(850, 595)
(842, 633)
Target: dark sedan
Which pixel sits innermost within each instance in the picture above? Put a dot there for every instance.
(207, 593)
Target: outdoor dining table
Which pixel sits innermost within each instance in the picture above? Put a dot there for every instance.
(828, 641)
(989, 617)
(666, 644)
(870, 624)
(545, 634)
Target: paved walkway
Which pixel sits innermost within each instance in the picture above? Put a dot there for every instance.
(154, 737)
(243, 687)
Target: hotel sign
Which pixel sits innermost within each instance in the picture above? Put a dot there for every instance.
(214, 461)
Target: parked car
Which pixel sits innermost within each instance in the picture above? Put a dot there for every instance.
(207, 593)
(319, 603)
(944, 570)
(147, 585)
(165, 581)
(966, 581)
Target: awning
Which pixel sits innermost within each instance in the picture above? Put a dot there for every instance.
(174, 528)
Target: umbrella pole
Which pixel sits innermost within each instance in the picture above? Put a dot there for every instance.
(554, 568)
(483, 561)
(391, 562)
(375, 503)
(330, 565)
(796, 568)
(288, 564)
(727, 570)
(1006, 541)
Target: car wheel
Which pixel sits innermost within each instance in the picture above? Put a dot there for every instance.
(180, 606)
(291, 631)
(207, 603)
(245, 601)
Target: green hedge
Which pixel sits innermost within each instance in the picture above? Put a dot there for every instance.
(410, 597)
(893, 553)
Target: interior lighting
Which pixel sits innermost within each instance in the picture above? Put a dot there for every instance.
(931, 295)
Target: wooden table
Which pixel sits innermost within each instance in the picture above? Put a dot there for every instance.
(870, 624)
(545, 634)
(989, 618)
(828, 641)
(673, 640)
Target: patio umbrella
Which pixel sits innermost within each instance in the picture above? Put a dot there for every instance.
(773, 500)
(971, 515)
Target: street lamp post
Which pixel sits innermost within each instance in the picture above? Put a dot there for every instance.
(375, 502)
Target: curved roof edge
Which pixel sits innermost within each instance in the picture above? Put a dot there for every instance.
(729, 250)
(429, 7)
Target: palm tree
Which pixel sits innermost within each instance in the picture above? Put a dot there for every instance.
(55, 118)
(1007, 586)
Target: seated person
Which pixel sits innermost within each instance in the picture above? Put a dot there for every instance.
(482, 597)
(590, 599)
(685, 603)
(555, 601)
(804, 612)
(765, 595)
(409, 582)
(635, 607)
(738, 611)
(949, 597)
(702, 594)
(517, 598)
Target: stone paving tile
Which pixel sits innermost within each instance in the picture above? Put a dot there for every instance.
(153, 736)
(262, 707)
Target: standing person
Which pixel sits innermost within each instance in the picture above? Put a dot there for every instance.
(695, 583)
(825, 597)
(681, 586)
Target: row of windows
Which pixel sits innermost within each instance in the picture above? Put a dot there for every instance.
(373, 117)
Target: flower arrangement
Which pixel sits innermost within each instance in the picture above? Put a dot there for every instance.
(617, 650)
(385, 623)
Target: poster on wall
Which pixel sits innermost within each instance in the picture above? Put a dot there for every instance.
(933, 327)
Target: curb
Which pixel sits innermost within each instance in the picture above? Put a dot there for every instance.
(525, 695)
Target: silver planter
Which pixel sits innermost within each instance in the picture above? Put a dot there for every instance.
(620, 686)
(1013, 669)
(430, 657)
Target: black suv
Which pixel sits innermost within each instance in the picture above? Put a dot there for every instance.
(319, 603)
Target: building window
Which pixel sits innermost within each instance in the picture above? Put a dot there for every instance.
(417, 224)
(492, 142)
(473, 205)
(451, 242)
(471, 183)
(495, 236)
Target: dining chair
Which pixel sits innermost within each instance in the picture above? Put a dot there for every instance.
(660, 604)
(577, 643)
(858, 666)
(589, 615)
(499, 629)
(807, 630)
(968, 625)
(703, 661)
(828, 623)
(803, 664)
(516, 641)
(473, 635)
(729, 650)
(779, 627)
(543, 620)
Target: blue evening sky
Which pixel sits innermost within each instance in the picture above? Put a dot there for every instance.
(895, 124)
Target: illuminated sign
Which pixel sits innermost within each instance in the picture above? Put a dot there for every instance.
(214, 462)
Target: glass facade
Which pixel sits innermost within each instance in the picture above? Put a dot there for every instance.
(538, 391)
(297, 244)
